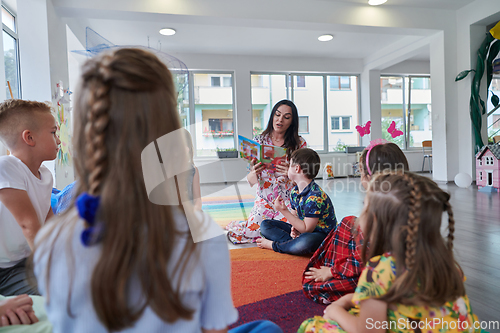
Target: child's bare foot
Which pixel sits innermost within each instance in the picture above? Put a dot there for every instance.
(264, 243)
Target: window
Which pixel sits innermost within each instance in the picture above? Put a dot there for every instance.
(325, 126)
(493, 118)
(406, 100)
(341, 123)
(480, 175)
(299, 81)
(303, 124)
(211, 112)
(340, 83)
(267, 90)
(227, 81)
(11, 54)
(215, 81)
(335, 123)
(182, 86)
(481, 161)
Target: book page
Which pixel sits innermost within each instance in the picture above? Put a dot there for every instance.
(272, 155)
(249, 149)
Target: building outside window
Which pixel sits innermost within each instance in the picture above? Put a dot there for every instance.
(303, 124)
(340, 82)
(318, 104)
(11, 54)
(341, 123)
(406, 100)
(212, 111)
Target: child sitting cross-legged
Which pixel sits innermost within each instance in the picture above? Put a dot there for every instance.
(313, 215)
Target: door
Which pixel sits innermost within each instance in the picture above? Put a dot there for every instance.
(489, 181)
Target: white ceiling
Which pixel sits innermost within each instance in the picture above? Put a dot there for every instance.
(438, 4)
(242, 40)
(201, 29)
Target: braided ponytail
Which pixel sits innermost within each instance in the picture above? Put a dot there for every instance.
(451, 226)
(414, 207)
(95, 129)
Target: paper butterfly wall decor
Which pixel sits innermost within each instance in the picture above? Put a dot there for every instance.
(393, 131)
(365, 129)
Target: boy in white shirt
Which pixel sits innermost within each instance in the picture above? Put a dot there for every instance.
(28, 129)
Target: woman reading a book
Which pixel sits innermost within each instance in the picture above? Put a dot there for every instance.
(282, 131)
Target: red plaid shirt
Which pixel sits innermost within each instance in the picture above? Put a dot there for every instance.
(339, 251)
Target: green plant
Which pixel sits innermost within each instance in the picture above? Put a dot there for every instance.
(487, 53)
(225, 149)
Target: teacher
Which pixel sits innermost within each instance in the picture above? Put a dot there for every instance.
(283, 131)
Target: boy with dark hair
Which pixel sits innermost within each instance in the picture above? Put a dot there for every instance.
(313, 215)
(28, 129)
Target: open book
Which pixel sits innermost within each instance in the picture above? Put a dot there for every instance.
(269, 155)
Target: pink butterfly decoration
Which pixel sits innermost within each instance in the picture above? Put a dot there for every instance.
(363, 130)
(393, 131)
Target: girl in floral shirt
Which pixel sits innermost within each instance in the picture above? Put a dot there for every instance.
(412, 282)
(283, 131)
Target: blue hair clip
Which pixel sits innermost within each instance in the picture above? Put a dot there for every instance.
(87, 206)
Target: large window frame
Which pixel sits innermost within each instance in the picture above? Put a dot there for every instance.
(14, 36)
(192, 105)
(406, 106)
(290, 88)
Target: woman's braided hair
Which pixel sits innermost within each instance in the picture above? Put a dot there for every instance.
(403, 218)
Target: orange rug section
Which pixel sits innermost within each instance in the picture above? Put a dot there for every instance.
(258, 274)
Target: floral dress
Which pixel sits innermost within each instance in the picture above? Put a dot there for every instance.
(375, 281)
(270, 186)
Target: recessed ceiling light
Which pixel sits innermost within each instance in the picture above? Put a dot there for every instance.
(167, 31)
(376, 2)
(325, 38)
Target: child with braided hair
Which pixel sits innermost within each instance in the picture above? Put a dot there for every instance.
(334, 269)
(116, 261)
(411, 282)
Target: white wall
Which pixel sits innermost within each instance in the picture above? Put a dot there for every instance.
(43, 59)
(471, 28)
(410, 67)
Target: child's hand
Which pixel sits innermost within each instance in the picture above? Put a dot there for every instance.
(319, 274)
(16, 311)
(279, 204)
(294, 233)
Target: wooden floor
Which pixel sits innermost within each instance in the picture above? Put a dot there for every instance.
(477, 241)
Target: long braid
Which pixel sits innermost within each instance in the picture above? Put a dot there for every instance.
(451, 226)
(95, 129)
(413, 223)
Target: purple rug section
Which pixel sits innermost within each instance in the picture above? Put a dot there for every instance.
(288, 311)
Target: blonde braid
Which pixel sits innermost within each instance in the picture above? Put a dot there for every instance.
(451, 225)
(414, 207)
(95, 129)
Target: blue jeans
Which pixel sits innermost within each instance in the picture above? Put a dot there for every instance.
(279, 233)
(258, 326)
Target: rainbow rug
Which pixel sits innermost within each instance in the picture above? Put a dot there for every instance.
(229, 208)
(268, 285)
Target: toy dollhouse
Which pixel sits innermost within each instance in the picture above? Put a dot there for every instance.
(488, 168)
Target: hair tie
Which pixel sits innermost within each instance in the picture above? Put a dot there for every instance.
(373, 143)
(87, 206)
